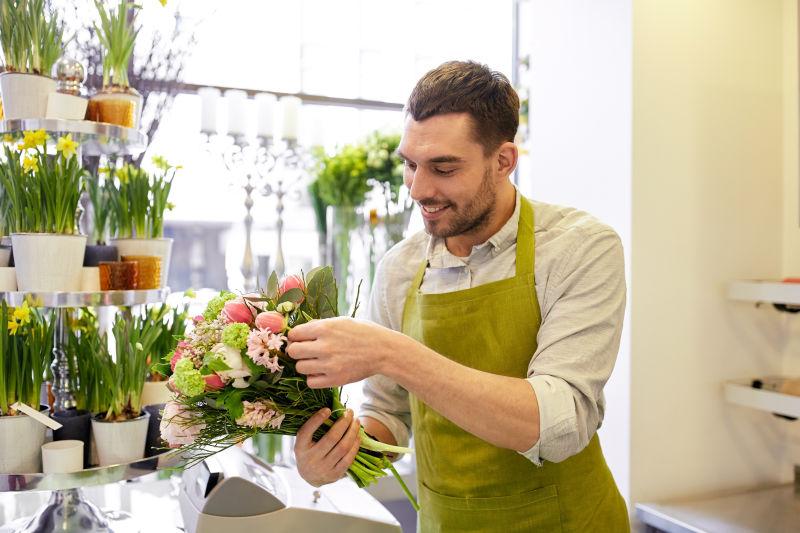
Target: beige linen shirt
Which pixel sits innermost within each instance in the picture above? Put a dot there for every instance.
(580, 284)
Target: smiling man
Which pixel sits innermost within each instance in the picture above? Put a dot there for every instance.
(491, 334)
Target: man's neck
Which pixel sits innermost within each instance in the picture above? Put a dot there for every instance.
(461, 245)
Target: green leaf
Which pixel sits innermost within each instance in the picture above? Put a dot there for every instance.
(322, 294)
(214, 363)
(255, 370)
(272, 286)
(292, 295)
(233, 404)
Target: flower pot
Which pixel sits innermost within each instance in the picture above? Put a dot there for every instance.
(120, 442)
(90, 279)
(21, 439)
(75, 425)
(156, 393)
(154, 444)
(118, 275)
(116, 105)
(25, 95)
(66, 106)
(149, 270)
(48, 262)
(5, 255)
(158, 247)
(8, 279)
(99, 252)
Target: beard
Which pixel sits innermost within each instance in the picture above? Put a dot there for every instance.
(466, 219)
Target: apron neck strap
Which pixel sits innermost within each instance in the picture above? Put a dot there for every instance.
(525, 252)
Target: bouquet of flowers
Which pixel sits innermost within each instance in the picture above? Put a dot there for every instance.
(234, 379)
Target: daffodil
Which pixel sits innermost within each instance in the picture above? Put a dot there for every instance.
(163, 3)
(170, 206)
(30, 164)
(13, 326)
(66, 146)
(123, 173)
(33, 139)
(8, 138)
(22, 314)
(160, 163)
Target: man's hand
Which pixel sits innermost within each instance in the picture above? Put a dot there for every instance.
(336, 351)
(328, 459)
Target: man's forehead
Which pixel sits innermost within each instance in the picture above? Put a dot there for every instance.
(449, 134)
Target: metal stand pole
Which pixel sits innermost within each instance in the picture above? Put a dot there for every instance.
(67, 510)
(62, 381)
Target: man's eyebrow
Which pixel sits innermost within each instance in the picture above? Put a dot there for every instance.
(437, 159)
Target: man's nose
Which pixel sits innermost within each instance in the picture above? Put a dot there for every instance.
(420, 185)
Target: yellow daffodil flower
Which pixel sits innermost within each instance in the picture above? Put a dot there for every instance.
(32, 139)
(66, 146)
(160, 163)
(30, 164)
(8, 138)
(123, 174)
(22, 314)
(13, 326)
(163, 3)
(170, 206)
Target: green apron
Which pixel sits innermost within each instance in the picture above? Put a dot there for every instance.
(465, 483)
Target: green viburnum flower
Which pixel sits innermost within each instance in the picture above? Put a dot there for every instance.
(190, 293)
(235, 335)
(216, 304)
(188, 379)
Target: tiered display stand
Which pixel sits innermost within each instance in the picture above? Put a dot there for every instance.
(67, 509)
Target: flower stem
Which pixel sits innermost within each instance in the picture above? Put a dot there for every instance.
(399, 479)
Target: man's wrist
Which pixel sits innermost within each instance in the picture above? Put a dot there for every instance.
(391, 353)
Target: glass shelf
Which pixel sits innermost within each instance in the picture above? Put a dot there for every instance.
(95, 138)
(100, 475)
(85, 299)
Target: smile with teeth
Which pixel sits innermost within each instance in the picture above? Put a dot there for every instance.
(433, 209)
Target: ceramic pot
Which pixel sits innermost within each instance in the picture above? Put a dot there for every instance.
(25, 95)
(99, 252)
(21, 439)
(120, 442)
(48, 262)
(66, 106)
(5, 255)
(75, 425)
(116, 105)
(8, 279)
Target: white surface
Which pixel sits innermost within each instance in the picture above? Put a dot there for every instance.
(707, 190)
(580, 147)
(765, 291)
(741, 393)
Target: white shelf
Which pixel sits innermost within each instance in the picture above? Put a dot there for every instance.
(741, 393)
(765, 291)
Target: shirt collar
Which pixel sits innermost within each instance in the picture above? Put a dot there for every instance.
(439, 256)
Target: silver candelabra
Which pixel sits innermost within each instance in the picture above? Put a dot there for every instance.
(269, 168)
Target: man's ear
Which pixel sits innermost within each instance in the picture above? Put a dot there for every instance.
(506, 160)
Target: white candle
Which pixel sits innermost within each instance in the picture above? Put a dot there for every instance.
(290, 107)
(208, 109)
(237, 112)
(265, 105)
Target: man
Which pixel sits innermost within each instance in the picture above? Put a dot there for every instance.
(492, 333)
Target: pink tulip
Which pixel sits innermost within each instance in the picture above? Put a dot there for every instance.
(175, 358)
(198, 319)
(213, 382)
(271, 320)
(237, 311)
(292, 282)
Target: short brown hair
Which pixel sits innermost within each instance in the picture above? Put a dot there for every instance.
(469, 87)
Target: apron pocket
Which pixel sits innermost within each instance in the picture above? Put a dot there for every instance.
(535, 510)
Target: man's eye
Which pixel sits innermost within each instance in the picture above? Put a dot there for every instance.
(410, 165)
(444, 171)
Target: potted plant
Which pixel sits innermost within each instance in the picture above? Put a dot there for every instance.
(97, 188)
(42, 194)
(26, 343)
(31, 42)
(117, 103)
(138, 202)
(120, 429)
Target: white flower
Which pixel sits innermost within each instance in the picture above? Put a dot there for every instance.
(238, 368)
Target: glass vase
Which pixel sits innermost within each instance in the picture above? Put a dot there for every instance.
(348, 253)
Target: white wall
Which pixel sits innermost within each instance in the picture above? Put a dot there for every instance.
(580, 145)
(707, 208)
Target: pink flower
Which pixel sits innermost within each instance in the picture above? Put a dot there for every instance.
(258, 349)
(213, 382)
(198, 319)
(175, 358)
(292, 282)
(271, 320)
(238, 311)
(178, 426)
(260, 414)
(275, 342)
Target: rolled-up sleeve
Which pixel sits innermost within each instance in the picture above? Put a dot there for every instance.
(385, 400)
(582, 315)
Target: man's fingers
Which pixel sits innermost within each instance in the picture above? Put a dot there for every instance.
(344, 463)
(344, 445)
(310, 367)
(334, 434)
(305, 332)
(306, 433)
(305, 350)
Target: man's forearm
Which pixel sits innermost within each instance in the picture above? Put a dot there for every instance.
(498, 409)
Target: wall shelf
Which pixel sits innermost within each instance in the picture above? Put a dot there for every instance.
(765, 291)
(741, 393)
